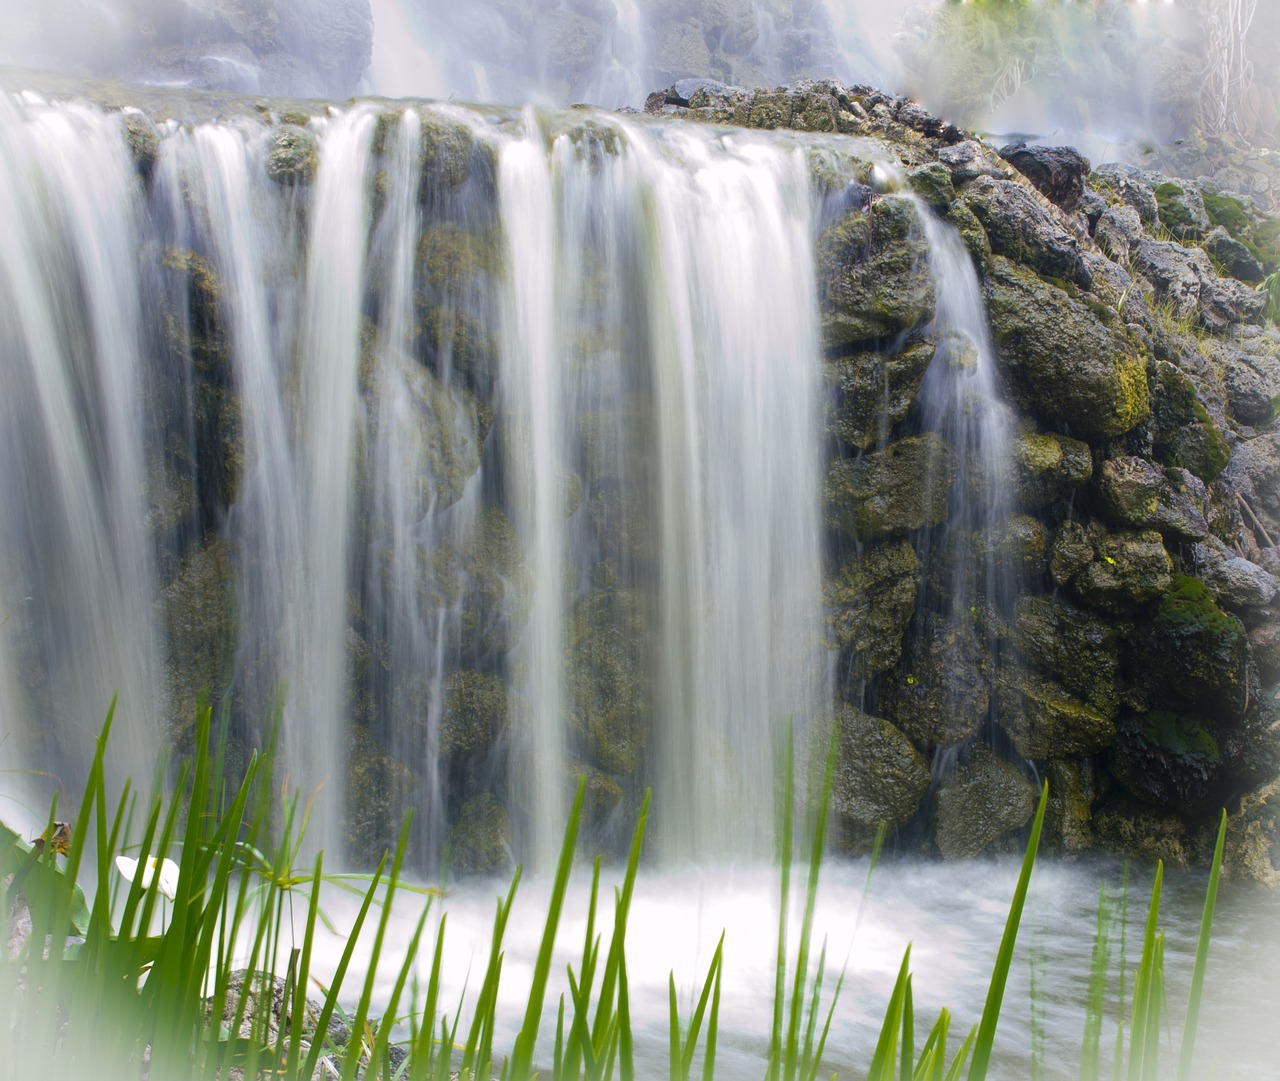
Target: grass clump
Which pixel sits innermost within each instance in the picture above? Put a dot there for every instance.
(109, 997)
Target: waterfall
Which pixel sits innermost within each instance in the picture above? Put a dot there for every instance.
(961, 400)
(259, 403)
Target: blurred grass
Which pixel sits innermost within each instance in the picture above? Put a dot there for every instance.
(96, 994)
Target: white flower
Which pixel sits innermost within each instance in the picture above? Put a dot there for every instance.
(168, 874)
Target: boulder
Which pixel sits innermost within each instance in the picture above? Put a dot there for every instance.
(969, 160)
(479, 840)
(1080, 650)
(893, 491)
(1142, 495)
(1232, 256)
(294, 157)
(1181, 209)
(940, 694)
(1130, 828)
(1044, 721)
(873, 274)
(879, 775)
(1047, 466)
(1068, 816)
(1057, 171)
(1024, 231)
(1118, 231)
(1166, 759)
(1117, 573)
(875, 392)
(979, 803)
(1234, 581)
(1123, 184)
(869, 603)
(1063, 363)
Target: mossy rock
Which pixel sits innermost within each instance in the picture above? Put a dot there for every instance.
(1118, 573)
(893, 491)
(1048, 466)
(475, 714)
(1169, 760)
(1183, 433)
(971, 232)
(1063, 363)
(1021, 229)
(873, 274)
(879, 775)
(1251, 851)
(932, 183)
(294, 157)
(447, 151)
(1068, 815)
(875, 392)
(978, 804)
(144, 143)
(869, 603)
(1129, 828)
(1194, 655)
(941, 692)
(200, 624)
(455, 273)
(479, 840)
(610, 682)
(1181, 210)
(378, 789)
(1045, 721)
(1081, 651)
(1141, 494)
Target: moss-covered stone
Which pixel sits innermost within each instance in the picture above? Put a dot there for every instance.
(475, 714)
(1048, 466)
(609, 678)
(1138, 493)
(873, 274)
(1081, 651)
(1169, 760)
(875, 392)
(1063, 363)
(1251, 851)
(981, 801)
(144, 143)
(971, 232)
(479, 840)
(893, 491)
(941, 692)
(378, 790)
(1132, 829)
(1020, 228)
(455, 271)
(1068, 816)
(294, 156)
(1045, 721)
(932, 183)
(1194, 653)
(879, 775)
(446, 152)
(1183, 433)
(869, 604)
(1181, 210)
(1116, 572)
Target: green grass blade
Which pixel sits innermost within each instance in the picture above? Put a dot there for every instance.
(1095, 1003)
(713, 1027)
(1187, 1051)
(1143, 984)
(995, 995)
(674, 1040)
(884, 1061)
(695, 1023)
(784, 860)
(908, 1032)
(962, 1056)
(526, 1041)
(626, 1050)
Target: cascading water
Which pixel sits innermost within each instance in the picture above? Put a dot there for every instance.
(624, 580)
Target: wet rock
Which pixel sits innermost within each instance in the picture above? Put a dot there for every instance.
(873, 274)
(474, 717)
(1057, 171)
(876, 392)
(869, 604)
(979, 803)
(1133, 829)
(932, 183)
(1166, 759)
(968, 160)
(294, 157)
(143, 141)
(1234, 581)
(610, 676)
(1044, 721)
(1048, 466)
(378, 790)
(1068, 816)
(1021, 229)
(1183, 433)
(1138, 493)
(1251, 850)
(893, 491)
(1063, 363)
(479, 840)
(447, 150)
(683, 50)
(1080, 650)
(1251, 373)
(941, 692)
(1194, 655)
(1115, 572)
(879, 775)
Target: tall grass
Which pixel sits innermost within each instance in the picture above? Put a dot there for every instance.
(149, 988)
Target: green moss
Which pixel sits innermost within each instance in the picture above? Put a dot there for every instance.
(1188, 608)
(294, 157)
(1180, 735)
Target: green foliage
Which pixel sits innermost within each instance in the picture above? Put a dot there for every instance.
(1271, 286)
(127, 995)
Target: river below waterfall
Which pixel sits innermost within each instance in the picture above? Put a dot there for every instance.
(952, 916)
